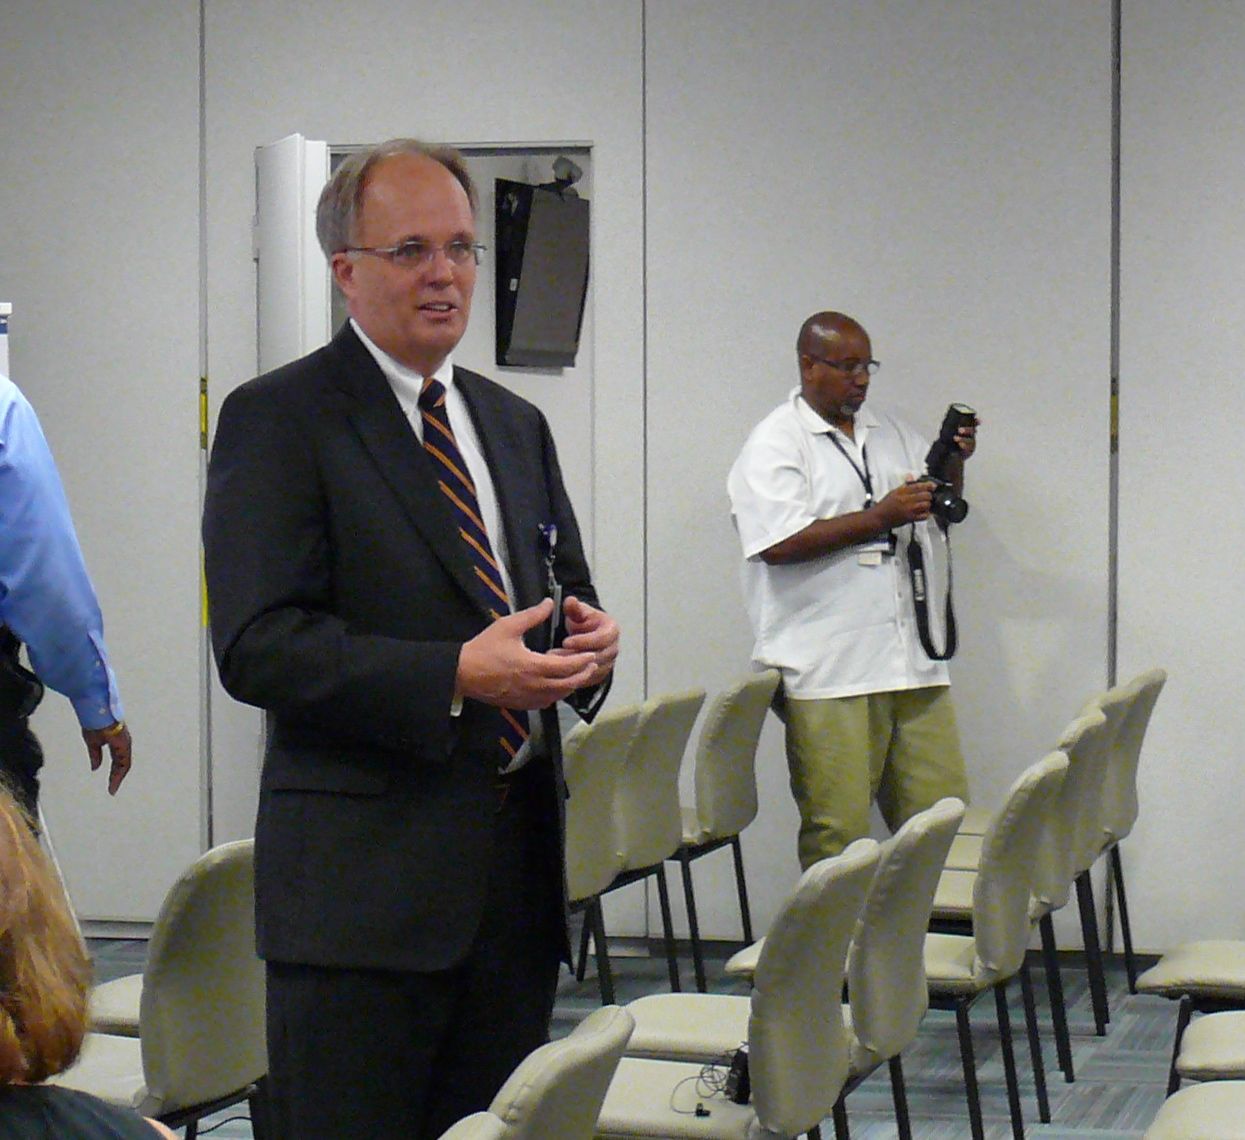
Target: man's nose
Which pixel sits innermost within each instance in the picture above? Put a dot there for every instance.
(438, 266)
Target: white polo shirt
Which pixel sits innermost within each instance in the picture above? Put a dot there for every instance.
(843, 624)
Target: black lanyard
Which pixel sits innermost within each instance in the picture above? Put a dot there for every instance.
(863, 476)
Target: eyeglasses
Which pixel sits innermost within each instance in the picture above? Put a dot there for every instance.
(415, 251)
(850, 367)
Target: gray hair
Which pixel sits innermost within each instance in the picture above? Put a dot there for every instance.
(337, 212)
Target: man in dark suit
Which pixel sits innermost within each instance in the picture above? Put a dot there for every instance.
(383, 533)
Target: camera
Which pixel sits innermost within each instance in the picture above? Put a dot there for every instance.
(947, 506)
(945, 503)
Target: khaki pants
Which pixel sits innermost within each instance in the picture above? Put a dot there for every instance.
(900, 748)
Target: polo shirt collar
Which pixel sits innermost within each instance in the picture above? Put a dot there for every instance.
(814, 424)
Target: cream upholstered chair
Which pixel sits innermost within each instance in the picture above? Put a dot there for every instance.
(888, 993)
(1064, 863)
(592, 757)
(797, 1045)
(646, 805)
(1213, 1048)
(114, 1006)
(1205, 977)
(477, 1126)
(726, 793)
(1213, 1111)
(961, 967)
(201, 1022)
(1071, 819)
(1120, 801)
(557, 1090)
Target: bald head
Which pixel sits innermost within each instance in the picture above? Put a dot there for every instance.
(834, 354)
(822, 330)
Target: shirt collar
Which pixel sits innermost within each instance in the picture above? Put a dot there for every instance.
(814, 424)
(405, 382)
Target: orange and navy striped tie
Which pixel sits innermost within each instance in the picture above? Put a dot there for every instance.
(460, 492)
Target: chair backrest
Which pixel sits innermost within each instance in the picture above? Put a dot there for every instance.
(726, 751)
(1119, 793)
(650, 818)
(797, 1045)
(886, 967)
(1077, 809)
(1005, 874)
(558, 1089)
(201, 1017)
(593, 756)
(477, 1126)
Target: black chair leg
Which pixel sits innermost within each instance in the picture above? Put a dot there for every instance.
(192, 1130)
(899, 1094)
(840, 1121)
(1009, 1061)
(742, 886)
(1126, 930)
(1035, 1045)
(667, 925)
(693, 924)
(585, 932)
(1054, 991)
(1182, 1023)
(605, 974)
(969, 1062)
(814, 1133)
(1093, 952)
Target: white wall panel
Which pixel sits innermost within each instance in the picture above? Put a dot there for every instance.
(942, 172)
(99, 254)
(1181, 529)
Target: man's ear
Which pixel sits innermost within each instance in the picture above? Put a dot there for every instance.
(342, 265)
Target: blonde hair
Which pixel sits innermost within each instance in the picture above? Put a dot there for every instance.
(44, 967)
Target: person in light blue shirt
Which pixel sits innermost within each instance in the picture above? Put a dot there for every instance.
(48, 603)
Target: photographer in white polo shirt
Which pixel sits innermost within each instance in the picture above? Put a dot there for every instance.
(824, 495)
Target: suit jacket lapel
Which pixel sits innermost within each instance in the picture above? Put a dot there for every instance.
(378, 419)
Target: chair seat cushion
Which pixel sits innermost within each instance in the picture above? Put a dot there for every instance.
(114, 1006)
(1213, 1048)
(110, 1068)
(951, 964)
(1212, 968)
(659, 1098)
(1213, 1111)
(965, 853)
(954, 896)
(743, 963)
(976, 820)
(688, 1027)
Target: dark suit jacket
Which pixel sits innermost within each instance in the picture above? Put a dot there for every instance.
(340, 596)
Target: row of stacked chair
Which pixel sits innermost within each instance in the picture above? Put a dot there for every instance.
(1094, 811)
(1006, 871)
(624, 815)
(860, 917)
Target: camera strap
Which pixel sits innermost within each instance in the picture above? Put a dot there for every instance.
(920, 593)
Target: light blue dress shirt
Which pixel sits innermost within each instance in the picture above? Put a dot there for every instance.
(46, 597)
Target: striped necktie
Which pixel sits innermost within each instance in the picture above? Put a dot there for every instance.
(455, 482)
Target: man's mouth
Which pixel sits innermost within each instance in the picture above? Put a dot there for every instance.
(437, 307)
